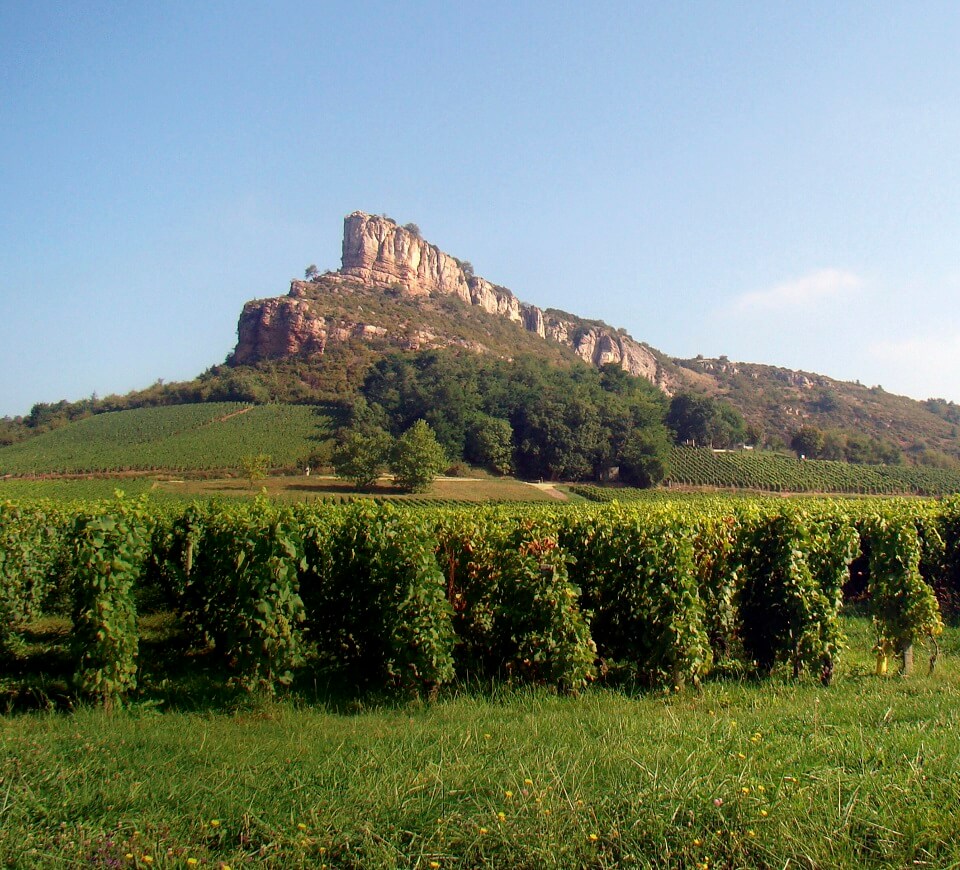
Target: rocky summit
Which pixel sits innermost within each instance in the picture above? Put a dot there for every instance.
(392, 260)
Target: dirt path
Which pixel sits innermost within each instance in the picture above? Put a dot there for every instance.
(228, 416)
(551, 490)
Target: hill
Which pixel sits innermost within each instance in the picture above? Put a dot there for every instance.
(397, 293)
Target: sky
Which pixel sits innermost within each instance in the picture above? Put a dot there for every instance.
(773, 182)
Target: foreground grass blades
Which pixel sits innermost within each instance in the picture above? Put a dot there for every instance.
(743, 774)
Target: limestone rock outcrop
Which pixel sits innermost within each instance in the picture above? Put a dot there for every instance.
(271, 328)
(378, 253)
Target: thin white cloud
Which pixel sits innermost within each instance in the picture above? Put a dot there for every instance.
(815, 287)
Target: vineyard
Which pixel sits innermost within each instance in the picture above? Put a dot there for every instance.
(382, 597)
(178, 438)
(700, 466)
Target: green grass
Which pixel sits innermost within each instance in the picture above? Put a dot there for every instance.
(291, 488)
(778, 774)
(180, 437)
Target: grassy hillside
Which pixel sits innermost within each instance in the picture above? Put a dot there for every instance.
(780, 401)
(180, 437)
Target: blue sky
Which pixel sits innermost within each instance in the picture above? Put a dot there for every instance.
(779, 183)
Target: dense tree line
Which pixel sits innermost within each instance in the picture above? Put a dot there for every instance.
(814, 443)
(521, 416)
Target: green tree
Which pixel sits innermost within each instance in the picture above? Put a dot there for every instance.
(807, 441)
(490, 444)
(361, 456)
(311, 272)
(255, 467)
(644, 457)
(417, 458)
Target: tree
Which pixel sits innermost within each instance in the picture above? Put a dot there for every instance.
(807, 441)
(689, 417)
(361, 456)
(255, 467)
(417, 458)
(490, 443)
(311, 272)
(644, 457)
(413, 229)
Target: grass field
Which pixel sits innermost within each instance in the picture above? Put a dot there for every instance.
(779, 774)
(289, 488)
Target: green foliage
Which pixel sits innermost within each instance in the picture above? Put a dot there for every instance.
(490, 444)
(516, 612)
(241, 589)
(904, 607)
(375, 601)
(565, 424)
(255, 467)
(361, 455)
(644, 457)
(640, 584)
(416, 458)
(31, 538)
(183, 437)
(715, 539)
(807, 441)
(376, 596)
(107, 548)
(700, 420)
(750, 469)
(789, 601)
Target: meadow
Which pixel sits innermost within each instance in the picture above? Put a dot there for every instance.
(780, 773)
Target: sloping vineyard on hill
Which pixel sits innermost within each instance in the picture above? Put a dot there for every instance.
(773, 472)
(180, 437)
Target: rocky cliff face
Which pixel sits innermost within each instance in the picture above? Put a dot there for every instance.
(377, 253)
